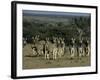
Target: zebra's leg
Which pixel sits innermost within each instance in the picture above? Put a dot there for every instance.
(53, 55)
(88, 51)
(62, 52)
(48, 57)
(79, 54)
(83, 52)
(45, 55)
(56, 54)
(38, 52)
(42, 52)
(72, 54)
(59, 53)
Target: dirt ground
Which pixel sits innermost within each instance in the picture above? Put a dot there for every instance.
(36, 62)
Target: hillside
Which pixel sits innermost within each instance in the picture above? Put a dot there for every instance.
(60, 26)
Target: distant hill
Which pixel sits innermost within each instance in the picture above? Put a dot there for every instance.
(54, 14)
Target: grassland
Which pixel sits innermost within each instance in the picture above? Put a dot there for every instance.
(37, 62)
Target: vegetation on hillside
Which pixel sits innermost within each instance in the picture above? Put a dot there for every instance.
(47, 26)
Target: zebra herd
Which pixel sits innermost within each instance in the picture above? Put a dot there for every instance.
(56, 48)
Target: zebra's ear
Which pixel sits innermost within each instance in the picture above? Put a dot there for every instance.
(33, 37)
(63, 39)
(72, 39)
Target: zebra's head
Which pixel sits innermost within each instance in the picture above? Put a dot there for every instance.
(37, 37)
(81, 40)
(54, 39)
(73, 40)
(47, 39)
(62, 40)
(58, 41)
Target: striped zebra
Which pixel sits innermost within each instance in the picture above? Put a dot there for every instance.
(24, 41)
(50, 49)
(87, 49)
(61, 47)
(81, 48)
(73, 48)
(39, 45)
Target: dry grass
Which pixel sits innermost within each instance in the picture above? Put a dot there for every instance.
(34, 62)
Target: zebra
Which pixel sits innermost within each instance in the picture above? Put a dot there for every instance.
(24, 42)
(39, 45)
(81, 51)
(87, 48)
(50, 49)
(34, 51)
(61, 47)
(72, 48)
